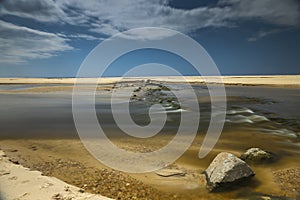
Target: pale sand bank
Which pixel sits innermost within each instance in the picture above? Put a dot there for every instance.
(279, 80)
(18, 182)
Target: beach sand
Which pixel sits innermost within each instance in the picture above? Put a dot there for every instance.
(272, 80)
(18, 182)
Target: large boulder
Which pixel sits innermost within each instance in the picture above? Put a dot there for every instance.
(226, 170)
(257, 155)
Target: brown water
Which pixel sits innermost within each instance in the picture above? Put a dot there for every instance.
(257, 117)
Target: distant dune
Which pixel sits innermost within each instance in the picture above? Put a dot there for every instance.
(278, 80)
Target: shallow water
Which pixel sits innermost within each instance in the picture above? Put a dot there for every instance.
(283, 102)
(20, 87)
(256, 117)
(26, 114)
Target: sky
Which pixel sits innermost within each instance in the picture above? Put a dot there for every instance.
(51, 38)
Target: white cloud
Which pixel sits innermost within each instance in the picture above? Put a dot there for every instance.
(79, 36)
(276, 12)
(40, 10)
(105, 29)
(19, 44)
(146, 34)
(262, 34)
(109, 17)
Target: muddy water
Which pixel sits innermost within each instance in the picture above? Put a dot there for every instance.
(257, 117)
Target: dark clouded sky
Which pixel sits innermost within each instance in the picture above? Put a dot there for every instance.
(48, 38)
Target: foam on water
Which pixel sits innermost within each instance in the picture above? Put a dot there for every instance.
(175, 111)
(281, 132)
(246, 119)
(239, 110)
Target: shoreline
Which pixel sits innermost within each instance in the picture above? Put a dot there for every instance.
(266, 80)
(35, 184)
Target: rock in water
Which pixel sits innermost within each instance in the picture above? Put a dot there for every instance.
(170, 172)
(257, 155)
(226, 170)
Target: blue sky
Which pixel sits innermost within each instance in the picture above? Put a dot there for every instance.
(46, 38)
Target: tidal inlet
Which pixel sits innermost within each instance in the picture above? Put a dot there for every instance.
(149, 100)
(256, 154)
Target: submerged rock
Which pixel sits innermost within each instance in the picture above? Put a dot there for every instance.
(257, 155)
(226, 170)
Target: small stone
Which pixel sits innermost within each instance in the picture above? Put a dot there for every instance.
(13, 178)
(3, 172)
(33, 148)
(266, 198)
(15, 161)
(67, 188)
(81, 190)
(46, 185)
(57, 196)
(170, 172)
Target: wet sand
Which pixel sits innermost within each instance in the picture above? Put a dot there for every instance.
(68, 160)
(49, 143)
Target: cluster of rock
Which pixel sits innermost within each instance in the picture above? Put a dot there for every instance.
(155, 93)
(227, 170)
